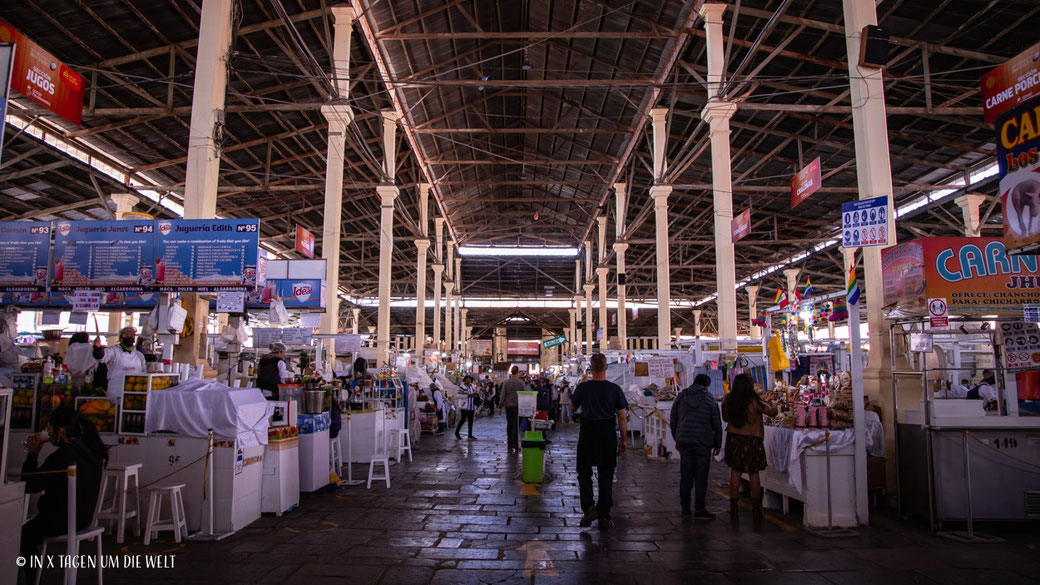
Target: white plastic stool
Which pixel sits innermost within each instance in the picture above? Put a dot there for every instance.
(335, 455)
(90, 533)
(119, 476)
(177, 522)
(381, 456)
(400, 441)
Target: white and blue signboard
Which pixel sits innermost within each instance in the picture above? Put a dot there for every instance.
(102, 255)
(202, 255)
(865, 222)
(24, 252)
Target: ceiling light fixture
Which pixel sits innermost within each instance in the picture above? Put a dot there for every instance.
(516, 251)
(526, 66)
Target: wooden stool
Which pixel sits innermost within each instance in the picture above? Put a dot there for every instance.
(90, 533)
(177, 522)
(400, 442)
(380, 457)
(119, 476)
(335, 455)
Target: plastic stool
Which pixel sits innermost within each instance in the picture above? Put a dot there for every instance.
(400, 442)
(177, 522)
(91, 533)
(381, 456)
(335, 455)
(119, 476)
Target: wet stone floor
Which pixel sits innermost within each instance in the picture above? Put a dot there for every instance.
(458, 514)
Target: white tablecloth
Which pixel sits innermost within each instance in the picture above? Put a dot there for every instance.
(195, 406)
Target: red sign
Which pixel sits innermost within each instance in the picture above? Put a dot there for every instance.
(740, 226)
(304, 241)
(39, 76)
(938, 314)
(524, 348)
(806, 182)
(1012, 83)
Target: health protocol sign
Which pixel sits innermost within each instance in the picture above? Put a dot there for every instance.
(865, 222)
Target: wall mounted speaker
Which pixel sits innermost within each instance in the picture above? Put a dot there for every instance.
(873, 48)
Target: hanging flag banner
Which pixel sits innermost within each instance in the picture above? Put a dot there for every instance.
(1018, 160)
(39, 76)
(806, 182)
(206, 255)
(304, 241)
(24, 250)
(740, 226)
(865, 222)
(103, 255)
(1011, 84)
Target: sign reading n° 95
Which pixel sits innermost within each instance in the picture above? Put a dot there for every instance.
(206, 255)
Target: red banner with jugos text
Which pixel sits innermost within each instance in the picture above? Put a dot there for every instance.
(39, 76)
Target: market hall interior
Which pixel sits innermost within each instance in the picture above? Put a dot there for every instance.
(259, 259)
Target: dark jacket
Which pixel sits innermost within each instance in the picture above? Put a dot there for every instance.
(267, 377)
(54, 503)
(695, 419)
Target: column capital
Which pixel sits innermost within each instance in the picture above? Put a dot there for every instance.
(464, 312)
(438, 268)
(388, 193)
(621, 187)
(660, 193)
(712, 12)
(792, 273)
(602, 271)
(343, 14)
(752, 292)
(449, 286)
(338, 113)
(422, 244)
(390, 116)
(970, 200)
(717, 111)
(572, 310)
(589, 288)
(424, 187)
(658, 115)
(620, 247)
(124, 202)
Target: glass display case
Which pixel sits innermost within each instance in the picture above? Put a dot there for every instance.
(136, 387)
(23, 400)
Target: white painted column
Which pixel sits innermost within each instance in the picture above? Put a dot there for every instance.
(718, 113)
(620, 247)
(697, 322)
(449, 287)
(438, 275)
(578, 335)
(664, 316)
(602, 271)
(752, 293)
(792, 283)
(970, 205)
(420, 296)
(677, 334)
(571, 332)
(590, 333)
(124, 203)
(357, 321)
(207, 102)
(387, 194)
(459, 336)
(464, 338)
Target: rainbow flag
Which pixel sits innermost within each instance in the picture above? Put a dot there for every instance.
(853, 293)
(779, 295)
(808, 287)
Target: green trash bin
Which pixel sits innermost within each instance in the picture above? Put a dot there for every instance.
(533, 456)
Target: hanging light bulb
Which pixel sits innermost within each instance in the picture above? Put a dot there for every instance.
(526, 66)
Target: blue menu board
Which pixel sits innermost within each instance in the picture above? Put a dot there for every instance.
(206, 255)
(24, 250)
(102, 255)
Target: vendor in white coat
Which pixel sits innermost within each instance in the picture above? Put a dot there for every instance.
(121, 359)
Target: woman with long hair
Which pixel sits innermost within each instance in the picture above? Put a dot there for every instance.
(742, 410)
(78, 443)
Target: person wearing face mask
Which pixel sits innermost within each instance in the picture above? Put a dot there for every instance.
(78, 443)
(121, 360)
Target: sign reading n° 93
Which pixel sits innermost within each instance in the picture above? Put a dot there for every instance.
(206, 255)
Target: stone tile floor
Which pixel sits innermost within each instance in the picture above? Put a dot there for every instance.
(458, 514)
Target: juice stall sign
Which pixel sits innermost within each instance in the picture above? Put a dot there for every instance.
(976, 276)
(39, 76)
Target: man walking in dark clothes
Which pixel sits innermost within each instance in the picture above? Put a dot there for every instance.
(697, 428)
(602, 404)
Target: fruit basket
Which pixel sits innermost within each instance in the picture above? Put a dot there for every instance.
(101, 411)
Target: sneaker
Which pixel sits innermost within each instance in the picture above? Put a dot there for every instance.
(604, 523)
(703, 515)
(471, 438)
(590, 515)
(458, 437)
(685, 513)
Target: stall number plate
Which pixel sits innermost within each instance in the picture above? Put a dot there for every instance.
(1005, 443)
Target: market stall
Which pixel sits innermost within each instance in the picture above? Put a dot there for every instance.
(974, 457)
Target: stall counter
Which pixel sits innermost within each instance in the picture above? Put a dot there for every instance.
(360, 434)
